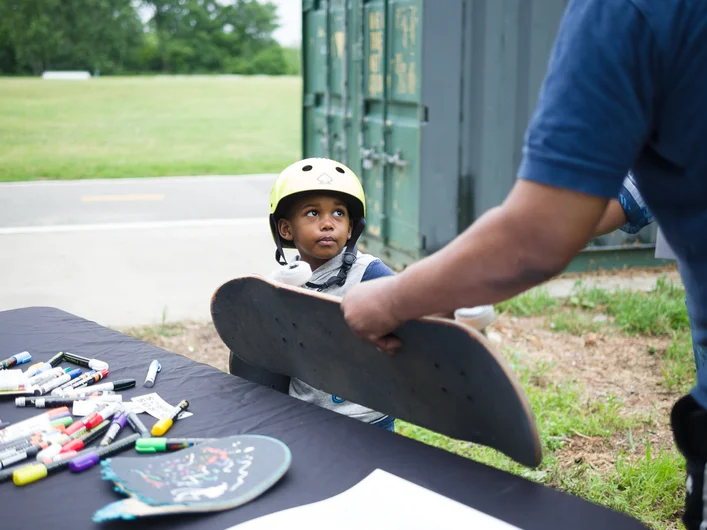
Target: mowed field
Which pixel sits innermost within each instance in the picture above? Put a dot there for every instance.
(147, 126)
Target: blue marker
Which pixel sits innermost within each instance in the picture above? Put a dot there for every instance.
(20, 358)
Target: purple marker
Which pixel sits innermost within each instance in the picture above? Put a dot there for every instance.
(114, 429)
(89, 458)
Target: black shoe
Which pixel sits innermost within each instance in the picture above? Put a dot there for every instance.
(689, 423)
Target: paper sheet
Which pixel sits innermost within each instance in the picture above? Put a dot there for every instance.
(157, 407)
(381, 500)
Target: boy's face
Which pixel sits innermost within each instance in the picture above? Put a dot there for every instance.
(319, 226)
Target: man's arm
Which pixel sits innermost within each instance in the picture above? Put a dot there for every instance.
(505, 252)
(613, 218)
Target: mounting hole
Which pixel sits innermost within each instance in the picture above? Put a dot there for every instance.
(301, 345)
(284, 340)
(444, 390)
(307, 168)
(437, 366)
(277, 320)
(294, 325)
(340, 170)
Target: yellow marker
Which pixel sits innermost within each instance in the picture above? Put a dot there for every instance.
(163, 425)
(29, 474)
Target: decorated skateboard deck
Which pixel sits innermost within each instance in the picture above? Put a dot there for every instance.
(446, 377)
(210, 476)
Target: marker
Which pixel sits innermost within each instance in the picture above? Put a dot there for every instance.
(56, 360)
(20, 358)
(62, 422)
(80, 395)
(160, 445)
(70, 384)
(83, 460)
(103, 414)
(115, 427)
(136, 424)
(95, 377)
(44, 377)
(24, 454)
(37, 368)
(82, 441)
(4, 424)
(90, 458)
(48, 402)
(152, 371)
(163, 425)
(51, 385)
(93, 364)
(121, 384)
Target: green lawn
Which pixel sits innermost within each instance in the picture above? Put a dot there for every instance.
(147, 126)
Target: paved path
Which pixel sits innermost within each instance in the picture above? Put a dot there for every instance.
(122, 252)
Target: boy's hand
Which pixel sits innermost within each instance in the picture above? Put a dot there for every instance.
(369, 311)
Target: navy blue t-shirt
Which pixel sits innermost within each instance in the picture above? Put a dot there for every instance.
(626, 89)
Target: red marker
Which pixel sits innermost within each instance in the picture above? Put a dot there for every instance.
(82, 441)
(103, 414)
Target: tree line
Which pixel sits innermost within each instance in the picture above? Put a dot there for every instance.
(142, 36)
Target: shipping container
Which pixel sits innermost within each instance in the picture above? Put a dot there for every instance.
(428, 102)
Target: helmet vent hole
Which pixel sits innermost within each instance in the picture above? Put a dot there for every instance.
(340, 170)
(307, 168)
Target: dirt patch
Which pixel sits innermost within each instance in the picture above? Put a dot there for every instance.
(197, 341)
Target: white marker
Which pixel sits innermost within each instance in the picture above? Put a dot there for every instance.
(155, 367)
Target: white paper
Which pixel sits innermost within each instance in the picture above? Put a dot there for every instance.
(157, 407)
(13, 380)
(381, 500)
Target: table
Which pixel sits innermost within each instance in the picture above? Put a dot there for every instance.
(330, 452)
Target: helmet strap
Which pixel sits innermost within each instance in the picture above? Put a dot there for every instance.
(349, 259)
(279, 253)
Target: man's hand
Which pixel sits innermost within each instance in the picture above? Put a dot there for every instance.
(369, 311)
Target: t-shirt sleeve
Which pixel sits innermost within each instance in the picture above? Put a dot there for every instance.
(637, 213)
(376, 269)
(594, 112)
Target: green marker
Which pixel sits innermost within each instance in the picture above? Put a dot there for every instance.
(161, 445)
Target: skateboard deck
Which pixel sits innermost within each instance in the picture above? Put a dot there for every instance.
(210, 476)
(446, 377)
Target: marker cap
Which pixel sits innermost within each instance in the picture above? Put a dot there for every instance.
(23, 357)
(56, 360)
(98, 365)
(151, 445)
(74, 445)
(62, 422)
(122, 384)
(83, 462)
(29, 474)
(161, 427)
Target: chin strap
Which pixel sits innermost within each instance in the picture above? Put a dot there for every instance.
(349, 259)
(279, 253)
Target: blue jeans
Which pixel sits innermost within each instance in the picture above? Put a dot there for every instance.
(386, 423)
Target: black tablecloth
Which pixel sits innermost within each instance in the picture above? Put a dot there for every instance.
(330, 453)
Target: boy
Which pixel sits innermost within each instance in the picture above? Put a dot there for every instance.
(318, 207)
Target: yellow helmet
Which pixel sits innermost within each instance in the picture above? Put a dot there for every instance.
(315, 174)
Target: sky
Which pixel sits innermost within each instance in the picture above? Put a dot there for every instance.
(290, 13)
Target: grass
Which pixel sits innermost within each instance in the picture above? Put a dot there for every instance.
(645, 482)
(648, 488)
(147, 126)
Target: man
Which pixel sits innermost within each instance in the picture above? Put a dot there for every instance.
(626, 89)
